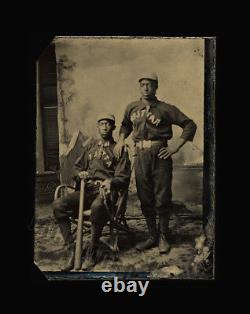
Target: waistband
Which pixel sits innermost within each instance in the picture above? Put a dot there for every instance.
(150, 143)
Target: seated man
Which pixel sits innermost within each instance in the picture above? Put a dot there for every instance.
(100, 169)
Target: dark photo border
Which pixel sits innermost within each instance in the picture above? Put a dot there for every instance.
(36, 44)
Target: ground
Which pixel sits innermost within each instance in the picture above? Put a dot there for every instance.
(185, 227)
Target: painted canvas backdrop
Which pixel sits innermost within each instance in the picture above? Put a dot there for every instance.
(101, 74)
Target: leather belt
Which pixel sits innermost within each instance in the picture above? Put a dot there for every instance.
(149, 143)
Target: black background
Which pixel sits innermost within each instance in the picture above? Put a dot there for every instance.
(175, 292)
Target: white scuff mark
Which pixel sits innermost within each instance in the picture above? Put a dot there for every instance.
(167, 272)
(199, 242)
(172, 270)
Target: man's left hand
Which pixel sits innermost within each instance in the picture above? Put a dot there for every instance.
(166, 152)
(106, 186)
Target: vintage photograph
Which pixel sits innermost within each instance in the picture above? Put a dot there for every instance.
(125, 158)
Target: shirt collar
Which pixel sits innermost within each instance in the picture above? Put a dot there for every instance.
(152, 102)
(103, 143)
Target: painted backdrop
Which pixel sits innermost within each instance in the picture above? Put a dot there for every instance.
(98, 74)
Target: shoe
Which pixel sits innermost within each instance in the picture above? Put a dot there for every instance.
(152, 241)
(90, 260)
(71, 259)
(164, 246)
(88, 264)
(148, 244)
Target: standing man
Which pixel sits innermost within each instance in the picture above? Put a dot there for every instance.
(151, 121)
(99, 167)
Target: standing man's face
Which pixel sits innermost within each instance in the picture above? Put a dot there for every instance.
(105, 128)
(148, 88)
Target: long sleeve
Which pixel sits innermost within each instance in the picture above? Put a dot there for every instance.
(180, 119)
(126, 125)
(81, 163)
(122, 173)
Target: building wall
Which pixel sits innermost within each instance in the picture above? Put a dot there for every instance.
(39, 139)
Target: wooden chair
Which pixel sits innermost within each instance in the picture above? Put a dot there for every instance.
(117, 222)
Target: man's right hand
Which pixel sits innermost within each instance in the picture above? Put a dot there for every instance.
(118, 149)
(83, 175)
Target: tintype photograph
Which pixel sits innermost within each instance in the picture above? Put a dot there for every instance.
(125, 158)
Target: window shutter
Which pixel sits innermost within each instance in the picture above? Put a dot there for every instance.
(51, 142)
(48, 103)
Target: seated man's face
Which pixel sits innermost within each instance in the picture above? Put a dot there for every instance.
(105, 128)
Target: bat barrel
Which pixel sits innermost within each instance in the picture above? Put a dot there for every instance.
(78, 250)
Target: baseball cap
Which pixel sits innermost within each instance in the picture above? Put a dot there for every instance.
(149, 75)
(106, 116)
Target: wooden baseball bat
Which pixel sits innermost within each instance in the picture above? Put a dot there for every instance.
(78, 249)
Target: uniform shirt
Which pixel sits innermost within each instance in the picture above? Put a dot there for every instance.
(153, 120)
(99, 161)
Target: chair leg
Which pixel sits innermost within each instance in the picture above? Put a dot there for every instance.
(114, 240)
(114, 248)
